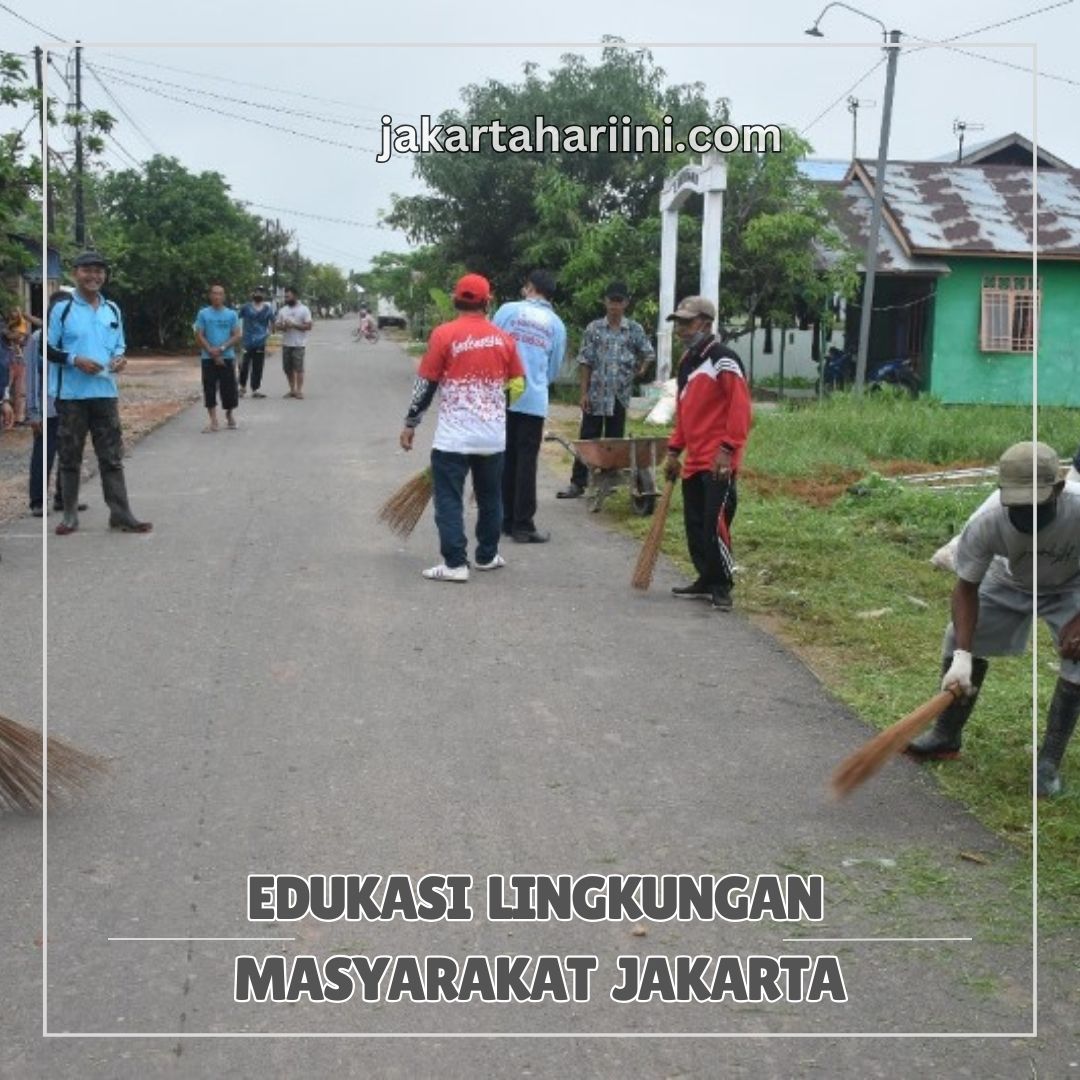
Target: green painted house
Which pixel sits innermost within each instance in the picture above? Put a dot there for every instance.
(956, 290)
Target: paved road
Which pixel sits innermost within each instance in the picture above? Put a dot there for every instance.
(281, 692)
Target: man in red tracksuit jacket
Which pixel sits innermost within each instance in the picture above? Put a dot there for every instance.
(712, 422)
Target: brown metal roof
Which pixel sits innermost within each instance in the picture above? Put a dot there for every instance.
(938, 209)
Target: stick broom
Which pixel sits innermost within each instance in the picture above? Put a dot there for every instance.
(406, 506)
(21, 767)
(650, 550)
(857, 768)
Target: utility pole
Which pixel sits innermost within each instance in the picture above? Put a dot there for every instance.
(39, 76)
(893, 51)
(80, 207)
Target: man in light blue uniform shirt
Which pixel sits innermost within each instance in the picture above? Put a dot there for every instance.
(541, 340)
(86, 351)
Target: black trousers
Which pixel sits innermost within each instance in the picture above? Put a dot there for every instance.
(598, 426)
(254, 356)
(523, 435)
(708, 511)
(42, 457)
(101, 418)
(224, 377)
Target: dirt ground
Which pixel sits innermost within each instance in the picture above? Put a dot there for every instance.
(152, 389)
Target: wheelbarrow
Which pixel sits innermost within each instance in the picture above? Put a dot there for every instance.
(610, 461)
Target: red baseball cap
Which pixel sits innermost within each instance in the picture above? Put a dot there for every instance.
(473, 289)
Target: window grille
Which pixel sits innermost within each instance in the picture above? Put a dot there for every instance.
(1008, 314)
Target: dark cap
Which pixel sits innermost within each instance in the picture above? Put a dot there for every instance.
(617, 290)
(91, 258)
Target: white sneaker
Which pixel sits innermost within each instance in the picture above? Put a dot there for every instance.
(495, 563)
(442, 572)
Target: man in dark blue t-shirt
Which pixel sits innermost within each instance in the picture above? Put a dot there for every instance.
(258, 317)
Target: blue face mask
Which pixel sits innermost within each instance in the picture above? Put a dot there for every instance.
(1030, 519)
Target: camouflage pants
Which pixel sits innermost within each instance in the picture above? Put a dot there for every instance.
(101, 418)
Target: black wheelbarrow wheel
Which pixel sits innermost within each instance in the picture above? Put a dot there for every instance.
(643, 493)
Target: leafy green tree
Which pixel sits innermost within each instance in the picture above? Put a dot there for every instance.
(170, 234)
(484, 210)
(327, 287)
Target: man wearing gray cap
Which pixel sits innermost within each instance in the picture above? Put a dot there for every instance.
(712, 424)
(1032, 531)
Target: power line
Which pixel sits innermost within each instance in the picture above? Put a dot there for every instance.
(22, 18)
(854, 86)
(318, 217)
(993, 60)
(927, 43)
(243, 101)
(130, 119)
(239, 82)
(245, 119)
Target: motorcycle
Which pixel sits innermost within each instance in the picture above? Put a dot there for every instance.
(837, 369)
(899, 373)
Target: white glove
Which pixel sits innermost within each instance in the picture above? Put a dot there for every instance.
(959, 674)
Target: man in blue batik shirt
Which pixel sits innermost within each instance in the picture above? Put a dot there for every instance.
(541, 341)
(86, 352)
(258, 317)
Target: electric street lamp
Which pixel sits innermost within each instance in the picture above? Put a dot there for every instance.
(892, 48)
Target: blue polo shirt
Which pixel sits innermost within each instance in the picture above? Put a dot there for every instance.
(541, 342)
(79, 329)
(217, 326)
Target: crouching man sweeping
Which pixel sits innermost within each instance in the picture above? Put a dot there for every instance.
(1033, 530)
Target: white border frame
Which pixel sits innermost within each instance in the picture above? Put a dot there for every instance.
(543, 1035)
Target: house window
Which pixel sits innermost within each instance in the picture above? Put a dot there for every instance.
(1008, 314)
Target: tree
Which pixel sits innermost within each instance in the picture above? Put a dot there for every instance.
(327, 287)
(485, 210)
(170, 234)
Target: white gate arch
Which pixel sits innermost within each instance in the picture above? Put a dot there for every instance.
(710, 180)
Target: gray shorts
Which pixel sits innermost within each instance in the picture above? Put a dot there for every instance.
(292, 358)
(1004, 624)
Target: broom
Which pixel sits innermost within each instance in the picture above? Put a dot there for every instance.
(858, 767)
(404, 508)
(650, 550)
(21, 767)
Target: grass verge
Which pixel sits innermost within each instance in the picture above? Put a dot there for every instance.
(845, 579)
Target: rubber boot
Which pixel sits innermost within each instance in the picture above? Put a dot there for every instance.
(115, 491)
(69, 497)
(1060, 723)
(942, 741)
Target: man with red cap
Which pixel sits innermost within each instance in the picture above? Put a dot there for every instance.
(473, 363)
(712, 423)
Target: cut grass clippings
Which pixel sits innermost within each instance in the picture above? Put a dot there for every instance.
(846, 580)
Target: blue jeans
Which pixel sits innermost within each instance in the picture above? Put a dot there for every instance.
(449, 472)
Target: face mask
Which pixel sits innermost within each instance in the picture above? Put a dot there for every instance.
(1030, 519)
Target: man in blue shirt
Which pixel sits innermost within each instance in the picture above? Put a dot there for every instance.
(86, 351)
(217, 330)
(541, 340)
(258, 317)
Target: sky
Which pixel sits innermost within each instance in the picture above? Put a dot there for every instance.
(151, 66)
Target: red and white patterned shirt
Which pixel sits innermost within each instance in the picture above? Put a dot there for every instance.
(471, 359)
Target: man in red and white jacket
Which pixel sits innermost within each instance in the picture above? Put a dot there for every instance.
(712, 423)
